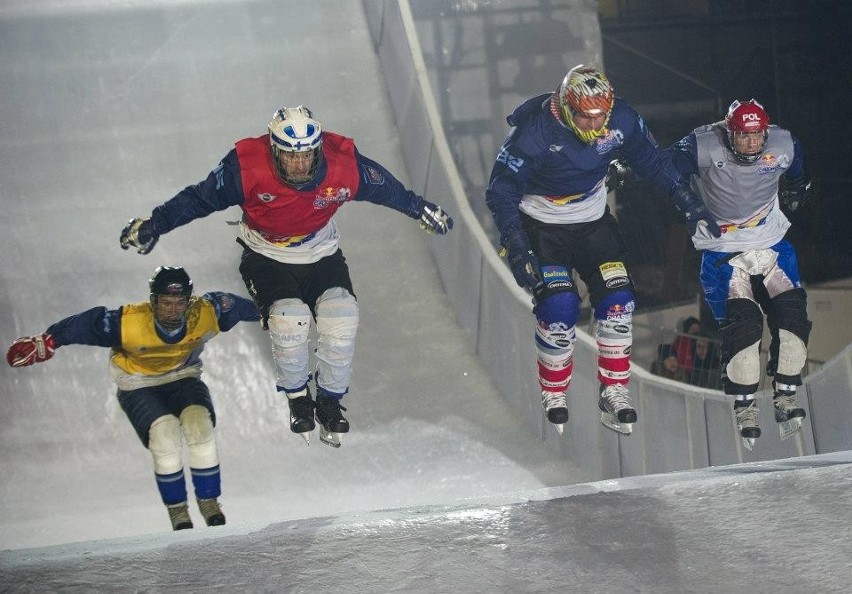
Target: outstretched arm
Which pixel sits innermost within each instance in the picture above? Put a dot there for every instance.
(379, 186)
(220, 190)
(232, 309)
(97, 326)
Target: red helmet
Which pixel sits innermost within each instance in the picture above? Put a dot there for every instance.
(746, 118)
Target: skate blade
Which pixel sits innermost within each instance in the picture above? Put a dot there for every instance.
(789, 427)
(306, 436)
(610, 421)
(329, 437)
(559, 427)
(748, 442)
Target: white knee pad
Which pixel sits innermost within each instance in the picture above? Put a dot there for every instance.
(744, 367)
(198, 432)
(337, 325)
(792, 353)
(289, 326)
(164, 444)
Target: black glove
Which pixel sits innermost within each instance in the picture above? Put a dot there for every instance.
(618, 174)
(433, 219)
(695, 213)
(139, 233)
(794, 193)
(521, 260)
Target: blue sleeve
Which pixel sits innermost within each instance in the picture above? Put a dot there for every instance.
(506, 186)
(648, 161)
(98, 326)
(232, 309)
(684, 155)
(797, 168)
(222, 189)
(380, 187)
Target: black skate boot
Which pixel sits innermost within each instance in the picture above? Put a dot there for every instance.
(788, 415)
(616, 412)
(211, 511)
(555, 408)
(302, 413)
(746, 415)
(331, 420)
(179, 516)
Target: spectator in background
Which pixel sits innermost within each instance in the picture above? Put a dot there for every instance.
(684, 343)
(666, 364)
(705, 365)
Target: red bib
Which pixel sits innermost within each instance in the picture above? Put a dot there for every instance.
(278, 211)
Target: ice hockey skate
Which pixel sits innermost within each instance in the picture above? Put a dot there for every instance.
(302, 414)
(331, 420)
(211, 511)
(788, 414)
(616, 412)
(555, 408)
(179, 516)
(745, 416)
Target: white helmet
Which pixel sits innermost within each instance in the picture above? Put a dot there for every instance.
(294, 130)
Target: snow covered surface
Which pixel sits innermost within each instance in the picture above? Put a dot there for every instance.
(108, 109)
(757, 527)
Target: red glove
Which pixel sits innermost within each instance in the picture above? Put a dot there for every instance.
(31, 349)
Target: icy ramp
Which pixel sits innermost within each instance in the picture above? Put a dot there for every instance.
(780, 526)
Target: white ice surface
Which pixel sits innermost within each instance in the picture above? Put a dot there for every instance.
(107, 109)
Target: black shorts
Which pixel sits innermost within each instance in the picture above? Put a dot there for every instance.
(269, 280)
(583, 247)
(146, 405)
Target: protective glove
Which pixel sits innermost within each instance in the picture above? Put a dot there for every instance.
(31, 349)
(795, 193)
(433, 219)
(693, 210)
(618, 174)
(521, 260)
(139, 233)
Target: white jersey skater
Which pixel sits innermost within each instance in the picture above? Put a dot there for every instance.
(743, 198)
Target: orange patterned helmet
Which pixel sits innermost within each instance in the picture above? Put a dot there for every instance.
(585, 90)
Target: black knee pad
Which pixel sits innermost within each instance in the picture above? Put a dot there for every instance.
(742, 327)
(789, 311)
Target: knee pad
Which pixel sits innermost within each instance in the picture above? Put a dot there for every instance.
(616, 305)
(742, 331)
(198, 433)
(790, 317)
(555, 335)
(164, 444)
(614, 321)
(337, 326)
(614, 335)
(562, 308)
(289, 327)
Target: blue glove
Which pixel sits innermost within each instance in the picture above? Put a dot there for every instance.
(433, 219)
(794, 193)
(693, 210)
(521, 260)
(139, 233)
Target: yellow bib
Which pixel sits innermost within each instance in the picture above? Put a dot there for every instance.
(144, 353)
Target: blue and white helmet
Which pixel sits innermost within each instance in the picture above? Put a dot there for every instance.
(294, 130)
